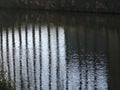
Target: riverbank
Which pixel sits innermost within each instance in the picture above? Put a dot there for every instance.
(94, 6)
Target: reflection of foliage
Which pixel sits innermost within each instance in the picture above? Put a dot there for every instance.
(36, 3)
(69, 5)
(5, 82)
(14, 18)
(99, 5)
(61, 4)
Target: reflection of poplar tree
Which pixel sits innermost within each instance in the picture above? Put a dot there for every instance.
(62, 3)
(67, 3)
(116, 4)
(42, 3)
(26, 2)
(51, 3)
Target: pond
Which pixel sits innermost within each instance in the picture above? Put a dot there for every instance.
(41, 50)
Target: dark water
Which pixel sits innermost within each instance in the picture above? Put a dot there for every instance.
(60, 51)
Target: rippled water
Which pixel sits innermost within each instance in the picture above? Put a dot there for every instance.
(60, 51)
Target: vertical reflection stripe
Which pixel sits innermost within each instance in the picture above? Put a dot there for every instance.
(1, 48)
(45, 58)
(34, 54)
(20, 56)
(7, 47)
(17, 59)
(10, 53)
(53, 42)
(24, 82)
(26, 48)
(57, 67)
(62, 57)
(40, 60)
(13, 53)
(5, 51)
(49, 46)
(37, 57)
(30, 57)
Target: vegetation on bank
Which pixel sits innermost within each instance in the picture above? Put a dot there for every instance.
(67, 5)
(5, 81)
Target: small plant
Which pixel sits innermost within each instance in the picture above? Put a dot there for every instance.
(5, 81)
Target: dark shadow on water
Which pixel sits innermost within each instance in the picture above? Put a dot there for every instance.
(60, 51)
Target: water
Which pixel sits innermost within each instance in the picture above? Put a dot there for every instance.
(60, 51)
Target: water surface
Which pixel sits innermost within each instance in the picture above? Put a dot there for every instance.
(60, 51)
